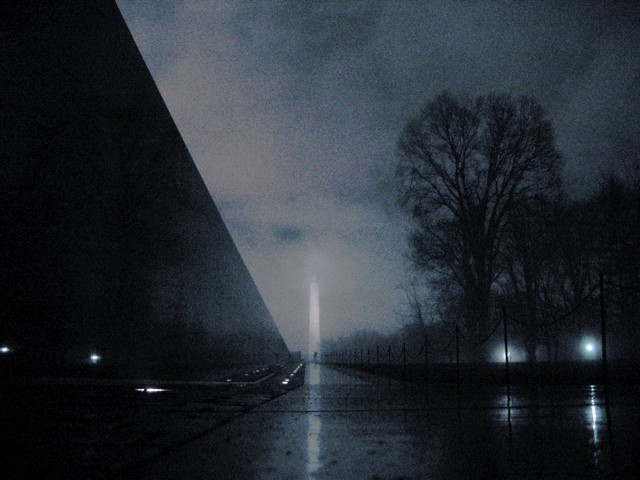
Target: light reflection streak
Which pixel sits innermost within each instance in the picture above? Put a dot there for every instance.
(314, 374)
(593, 418)
(594, 414)
(314, 421)
(504, 403)
(313, 445)
(150, 390)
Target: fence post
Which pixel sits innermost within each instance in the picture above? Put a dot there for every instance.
(377, 355)
(404, 361)
(426, 359)
(457, 357)
(368, 356)
(603, 329)
(506, 346)
(389, 351)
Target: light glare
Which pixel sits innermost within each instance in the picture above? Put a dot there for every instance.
(501, 356)
(589, 347)
(150, 390)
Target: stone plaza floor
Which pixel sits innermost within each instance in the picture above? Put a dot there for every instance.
(341, 426)
(338, 425)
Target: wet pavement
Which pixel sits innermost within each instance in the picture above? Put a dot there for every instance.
(67, 428)
(338, 425)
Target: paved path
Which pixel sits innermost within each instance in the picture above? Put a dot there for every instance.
(67, 428)
(336, 426)
(340, 426)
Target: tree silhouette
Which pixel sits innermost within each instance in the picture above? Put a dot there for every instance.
(464, 165)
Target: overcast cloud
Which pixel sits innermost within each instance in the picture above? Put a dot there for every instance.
(291, 111)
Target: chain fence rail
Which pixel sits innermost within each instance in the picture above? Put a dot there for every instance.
(394, 355)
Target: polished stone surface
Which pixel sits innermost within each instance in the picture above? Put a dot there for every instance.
(110, 242)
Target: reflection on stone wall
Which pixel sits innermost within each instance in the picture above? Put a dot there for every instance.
(109, 241)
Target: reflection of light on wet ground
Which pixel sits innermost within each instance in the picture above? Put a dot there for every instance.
(313, 445)
(315, 422)
(594, 416)
(504, 404)
(150, 390)
(313, 370)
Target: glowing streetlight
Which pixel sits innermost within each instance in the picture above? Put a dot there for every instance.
(501, 356)
(5, 349)
(589, 347)
(95, 358)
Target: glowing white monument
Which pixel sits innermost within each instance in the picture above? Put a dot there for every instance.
(314, 322)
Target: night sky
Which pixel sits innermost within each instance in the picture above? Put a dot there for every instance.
(291, 111)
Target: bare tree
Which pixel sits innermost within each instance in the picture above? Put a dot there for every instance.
(415, 309)
(464, 165)
(531, 260)
(617, 215)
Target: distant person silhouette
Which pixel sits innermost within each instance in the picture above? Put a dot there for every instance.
(315, 357)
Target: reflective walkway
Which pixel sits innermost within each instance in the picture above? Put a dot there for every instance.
(340, 426)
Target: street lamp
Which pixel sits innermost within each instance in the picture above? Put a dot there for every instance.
(588, 347)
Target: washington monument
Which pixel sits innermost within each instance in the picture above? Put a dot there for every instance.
(314, 321)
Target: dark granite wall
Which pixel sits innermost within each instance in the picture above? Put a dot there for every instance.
(109, 239)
